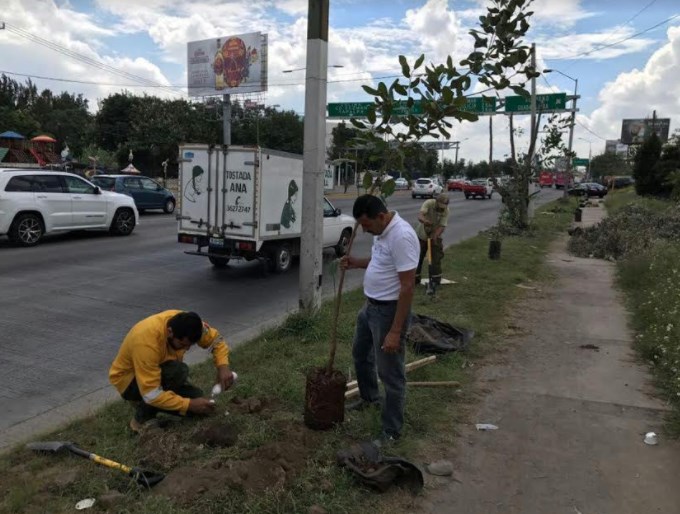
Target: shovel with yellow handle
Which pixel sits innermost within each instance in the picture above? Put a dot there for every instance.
(430, 283)
(146, 479)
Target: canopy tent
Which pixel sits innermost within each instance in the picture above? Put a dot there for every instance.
(11, 135)
(130, 168)
(44, 139)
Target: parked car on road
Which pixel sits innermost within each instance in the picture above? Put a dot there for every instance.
(481, 187)
(38, 202)
(426, 187)
(588, 189)
(147, 193)
(401, 183)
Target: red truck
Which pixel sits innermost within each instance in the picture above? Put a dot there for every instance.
(546, 179)
(560, 180)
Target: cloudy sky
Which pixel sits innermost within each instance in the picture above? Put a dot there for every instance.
(625, 54)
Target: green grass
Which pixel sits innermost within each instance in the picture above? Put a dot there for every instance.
(619, 198)
(273, 367)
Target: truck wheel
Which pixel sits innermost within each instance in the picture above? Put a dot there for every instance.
(282, 258)
(467, 197)
(218, 262)
(343, 243)
(26, 230)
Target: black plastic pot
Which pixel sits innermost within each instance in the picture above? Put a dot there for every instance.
(494, 250)
(578, 215)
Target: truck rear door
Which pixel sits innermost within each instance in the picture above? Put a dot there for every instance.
(198, 189)
(237, 192)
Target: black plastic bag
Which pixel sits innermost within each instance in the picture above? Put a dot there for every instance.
(375, 470)
(427, 335)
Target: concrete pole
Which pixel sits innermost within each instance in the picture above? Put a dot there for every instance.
(314, 156)
(533, 133)
(226, 119)
(571, 141)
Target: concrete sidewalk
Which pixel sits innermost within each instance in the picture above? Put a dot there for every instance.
(572, 405)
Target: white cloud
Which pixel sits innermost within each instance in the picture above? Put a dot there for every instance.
(635, 94)
(571, 45)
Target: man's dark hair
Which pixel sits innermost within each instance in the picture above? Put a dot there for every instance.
(368, 205)
(187, 324)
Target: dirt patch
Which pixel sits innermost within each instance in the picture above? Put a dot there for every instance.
(271, 466)
(250, 405)
(165, 449)
(217, 436)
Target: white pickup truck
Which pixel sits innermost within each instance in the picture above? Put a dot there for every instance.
(244, 202)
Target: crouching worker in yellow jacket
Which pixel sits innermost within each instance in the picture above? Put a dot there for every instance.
(148, 370)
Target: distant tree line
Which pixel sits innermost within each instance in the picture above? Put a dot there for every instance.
(150, 127)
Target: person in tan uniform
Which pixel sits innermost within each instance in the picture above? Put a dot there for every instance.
(433, 218)
(148, 370)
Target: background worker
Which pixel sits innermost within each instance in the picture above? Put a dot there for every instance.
(148, 370)
(379, 337)
(433, 218)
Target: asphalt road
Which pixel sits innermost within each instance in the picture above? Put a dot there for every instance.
(67, 303)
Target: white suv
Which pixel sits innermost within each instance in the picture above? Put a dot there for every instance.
(426, 187)
(38, 202)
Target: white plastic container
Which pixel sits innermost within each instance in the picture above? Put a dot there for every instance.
(217, 388)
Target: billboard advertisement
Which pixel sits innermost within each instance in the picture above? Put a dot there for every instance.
(634, 132)
(227, 65)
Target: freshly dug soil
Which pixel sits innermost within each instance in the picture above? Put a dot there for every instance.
(271, 466)
(220, 436)
(324, 399)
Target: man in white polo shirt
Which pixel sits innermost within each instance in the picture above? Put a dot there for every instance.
(382, 322)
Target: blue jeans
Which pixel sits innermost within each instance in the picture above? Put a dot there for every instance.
(373, 324)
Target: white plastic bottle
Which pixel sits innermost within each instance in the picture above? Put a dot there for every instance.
(217, 388)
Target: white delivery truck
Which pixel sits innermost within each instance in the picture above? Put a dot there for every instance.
(244, 202)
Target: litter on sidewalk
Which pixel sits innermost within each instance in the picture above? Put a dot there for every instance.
(486, 426)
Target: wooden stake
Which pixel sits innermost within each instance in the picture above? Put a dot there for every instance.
(411, 365)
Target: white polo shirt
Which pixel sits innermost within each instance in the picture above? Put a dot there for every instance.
(397, 249)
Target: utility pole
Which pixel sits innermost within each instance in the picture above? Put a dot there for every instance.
(571, 142)
(314, 156)
(532, 145)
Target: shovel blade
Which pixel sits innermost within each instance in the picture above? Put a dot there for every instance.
(146, 479)
(50, 446)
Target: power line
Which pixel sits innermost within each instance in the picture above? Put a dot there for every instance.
(84, 59)
(597, 49)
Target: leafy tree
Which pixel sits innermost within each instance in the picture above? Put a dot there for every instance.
(499, 55)
(608, 164)
(648, 180)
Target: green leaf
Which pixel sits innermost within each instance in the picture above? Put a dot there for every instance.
(371, 91)
(368, 179)
(387, 189)
(370, 114)
(358, 124)
(400, 89)
(419, 61)
(405, 70)
(519, 90)
(447, 95)
(469, 116)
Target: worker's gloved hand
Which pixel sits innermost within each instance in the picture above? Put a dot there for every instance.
(201, 406)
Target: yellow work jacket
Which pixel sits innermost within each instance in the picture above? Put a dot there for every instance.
(143, 351)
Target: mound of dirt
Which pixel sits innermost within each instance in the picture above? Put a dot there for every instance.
(270, 466)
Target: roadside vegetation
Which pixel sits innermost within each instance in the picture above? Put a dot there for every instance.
(255, 455)
(643, 235)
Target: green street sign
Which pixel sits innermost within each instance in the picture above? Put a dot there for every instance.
(479, 104)
(360, 109)
(580, 162)
(552, 102)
